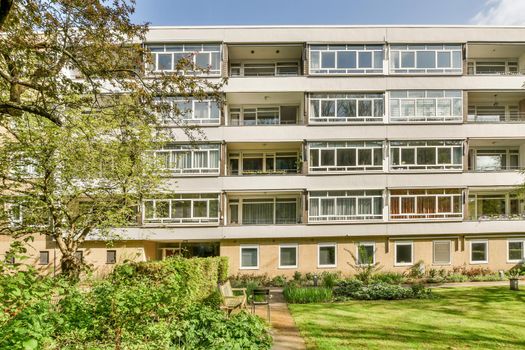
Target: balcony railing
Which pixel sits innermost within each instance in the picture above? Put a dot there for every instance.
(265, 69)
(508, 117)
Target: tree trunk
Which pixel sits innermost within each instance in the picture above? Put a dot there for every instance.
(70, 267)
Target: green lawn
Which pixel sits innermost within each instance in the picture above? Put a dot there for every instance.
(459, 318)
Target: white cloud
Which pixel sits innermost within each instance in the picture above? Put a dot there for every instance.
(501, 12)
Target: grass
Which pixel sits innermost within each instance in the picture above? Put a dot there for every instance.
(458, 318)
(303, 295)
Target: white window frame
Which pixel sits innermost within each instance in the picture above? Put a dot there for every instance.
(398, 243)
(365, 243)
(187, 116)
(506, 151)
(289, 245)
(265, 156)
(249, 246)
(187, 50)
(323, 245)
(373, 195)
(506, 196)
(441, 263)
(198, 197)
(475, 262)
(276, 65)
(398, 146)
(472, 66)
(274, 200)
(257, 109)
(448, 47)
(373, 146)
(335, 48)
(516, 240)
(176, 152)
(413, 96)
(427, 216)
(319, 98)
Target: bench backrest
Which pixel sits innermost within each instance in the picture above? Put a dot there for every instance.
(226, 289)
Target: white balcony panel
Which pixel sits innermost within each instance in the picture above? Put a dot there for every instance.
(253, 183)
(192, 184)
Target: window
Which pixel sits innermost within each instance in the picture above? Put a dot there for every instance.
(288, 254)
(426, 155)
(245, 163)
(403, 253)
(249, 257)
(182, 209)
(203, 56)
(176, 110)
(426, 106)
(495, 206)
(326, 255)
(345, 205)
(426, 204)
(441, 252)
(346, 108)
(264, 211)
(345, 156)
(111, 256)
(515, 250)
(346, 59)
(479, 252)
(189, 159)
(79, 255)
(264, 69)
(43, 258)
(267, 115)
(426, 59)
(366, 253)
(494, 159)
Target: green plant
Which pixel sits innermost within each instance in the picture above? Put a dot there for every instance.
(297, 276)
(514, 273)
(456, 277)
(389, 277)
(304, 295)
(417, 270)
(356, 289)
(365, 270)
(330, 279)
(278, 281)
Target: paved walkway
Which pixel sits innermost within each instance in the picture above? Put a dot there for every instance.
(285, 333)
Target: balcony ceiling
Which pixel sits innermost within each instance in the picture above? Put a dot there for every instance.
(494, 51)
(277, 52)
(473, 143)
(264, 146)
(492, 97)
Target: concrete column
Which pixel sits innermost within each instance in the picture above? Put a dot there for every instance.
(304, 206)
(225, 70)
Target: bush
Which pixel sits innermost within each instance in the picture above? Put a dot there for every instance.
(356, 289)
(330, 279)
(389, 277)
(456, 277)
(278, 281)
(305, 295)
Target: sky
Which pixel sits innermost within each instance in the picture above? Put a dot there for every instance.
(319, 12)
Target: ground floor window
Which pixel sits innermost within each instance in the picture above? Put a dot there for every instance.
(79, 254)
(249, 257)
(288, 255)
(44, 258)
(479, 252)
(366, 253)
(515, 251)
(111, 256)
(327, 255)
(441, 252)
(404, 253)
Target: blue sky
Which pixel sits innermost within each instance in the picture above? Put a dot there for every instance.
(260, 12)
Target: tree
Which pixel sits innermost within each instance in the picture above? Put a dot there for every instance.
(79, 111)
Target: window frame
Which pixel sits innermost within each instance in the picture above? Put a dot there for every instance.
(335, 195)
(408, 243)
(249, 246)
(516, 240)
(108, 261)
(366, 243)
(188, 115)
(442, 263)
(188, 50)
(507, 152)
(414, 96)
(357, 49)
(46, 252)
(240, 202)
(422, 193)
(325, 245)
(356, 146)
(192, 219)
(398, 147)
(240, 65)
(475, 262)
(436, 48)
(241, 110)
(176, 152)
(289, 245)
(335, 98)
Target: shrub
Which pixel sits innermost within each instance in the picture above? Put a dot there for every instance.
(330, 279)
(417, 270)
(356, 289)
(278, 281)
(304, 295)
(389, 277)
(490, 277)
(223, 269)
(456, 277)
(348, 287)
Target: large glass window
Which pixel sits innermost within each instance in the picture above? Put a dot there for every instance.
(345, 156)
(479, 252)
(426, 58)
(345, 205)
(426, 155)
(426, 106)
(346, 59)
(365, 253)
(189, 159)
(248, 163)
(177, 110)
(346, 108)
(267, 115)
(207, 57)
(494, 159)
(264, 211)
(404, 254)
(495, 206)
(182, 209)
(326, 255)
(249, 256)
(288, 256)
(426, 204)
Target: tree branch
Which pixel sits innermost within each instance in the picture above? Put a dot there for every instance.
(6, 105)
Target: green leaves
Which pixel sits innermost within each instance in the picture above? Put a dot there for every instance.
(30, 344)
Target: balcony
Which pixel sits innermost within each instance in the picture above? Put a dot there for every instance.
(265, 60)
(494, 155)
(264, 209)
(492, 107)
(495, 59)
(495, 205)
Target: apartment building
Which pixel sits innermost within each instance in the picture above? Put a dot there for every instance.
(391, 144)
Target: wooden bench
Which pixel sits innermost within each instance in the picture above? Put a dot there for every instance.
(230, 301)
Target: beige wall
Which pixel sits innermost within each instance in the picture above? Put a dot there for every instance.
(307, 256)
